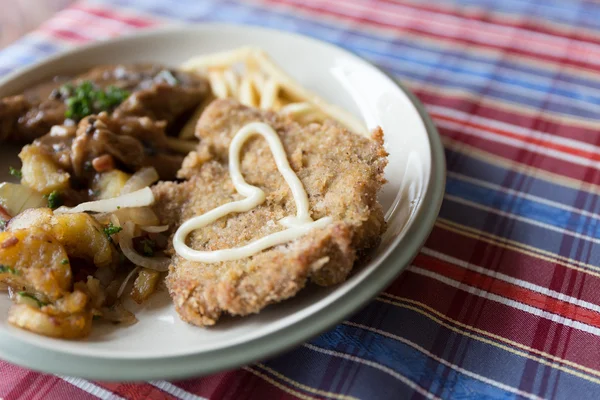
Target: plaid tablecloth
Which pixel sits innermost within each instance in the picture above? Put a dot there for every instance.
(504, 299)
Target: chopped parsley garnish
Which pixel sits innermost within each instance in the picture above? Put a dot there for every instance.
(148, 247)
(85, 99)
(32, 297)
(15, 172)
(110, 229)
(112, 97)
(5, 269)
(65, 261)
(55, 199)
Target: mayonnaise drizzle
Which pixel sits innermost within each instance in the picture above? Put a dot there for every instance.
(297, 226)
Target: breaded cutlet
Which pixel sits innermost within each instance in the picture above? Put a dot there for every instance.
(342, 173)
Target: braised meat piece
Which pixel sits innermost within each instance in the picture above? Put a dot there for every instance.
(129, 90)
(102, 142)
(130, 142)
(23, 119)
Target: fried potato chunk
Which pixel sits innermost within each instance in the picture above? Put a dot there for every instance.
(33, 260)
(34, 217)
(40, 172)
(80, 234)
(83, 237)
(144, 285)
(69, 318)
(109, 184)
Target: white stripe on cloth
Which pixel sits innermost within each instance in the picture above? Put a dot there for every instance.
(509, 279)
(507, 302)
(375, 365)
(91, 388)
(516, 193)
(499, 104)
(296, 384)
(175, 390)
(440, 360)
(417, 72)
(381, 52)
(521, 219)
(520, 144)
(515, 129)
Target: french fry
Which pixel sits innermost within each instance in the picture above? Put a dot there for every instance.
(286, 83)
(221, 60)
(247, 92)
(218, 84)
(264, 84)
(231, 80)
(268, 96)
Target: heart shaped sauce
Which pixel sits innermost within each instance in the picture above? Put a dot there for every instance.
(297, 226)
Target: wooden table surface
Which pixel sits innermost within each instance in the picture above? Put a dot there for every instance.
(17, 17)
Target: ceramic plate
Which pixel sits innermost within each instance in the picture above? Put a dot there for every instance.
(161, 345)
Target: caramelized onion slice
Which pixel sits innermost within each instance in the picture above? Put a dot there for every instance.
(155, 229)
(141, 179)
(139, 198)
(125, 281)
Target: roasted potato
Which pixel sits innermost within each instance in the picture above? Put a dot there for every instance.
(83, 237)
(35, 217)
(80, 234)
(72, 303)
(40, 173)
(93, 289)
(144, 285)
(109, 184)
(69, 318)
(32, 260)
